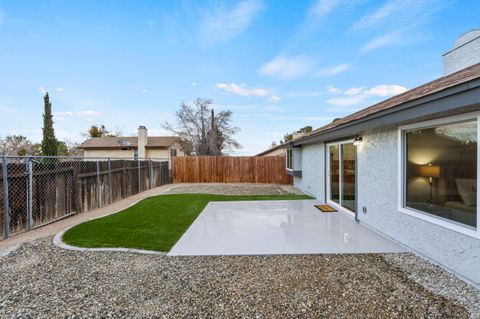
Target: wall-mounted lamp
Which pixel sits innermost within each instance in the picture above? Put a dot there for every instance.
(430, 171)
(357, 141)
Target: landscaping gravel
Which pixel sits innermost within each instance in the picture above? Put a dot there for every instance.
(236, 189)
(40, 280)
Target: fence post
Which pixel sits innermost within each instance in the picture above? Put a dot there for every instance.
(161, 173)
(138, 161)
(30, 194)
(150, 175)
(6, 226)
(110, 188)
(98, 184)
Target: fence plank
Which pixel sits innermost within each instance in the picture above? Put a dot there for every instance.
(229, 169)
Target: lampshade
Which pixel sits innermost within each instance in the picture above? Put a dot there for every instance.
(430, 170)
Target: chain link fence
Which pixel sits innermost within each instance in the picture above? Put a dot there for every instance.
(35, 191)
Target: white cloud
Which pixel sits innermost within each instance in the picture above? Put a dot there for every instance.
(60, 89)
(287, 68)
(357, 95)
(321, 8)
(194, 83)
(332, 89)
(398, 22)
(221, 24)
(140, 88)
(388, 39)
(274, 98)
(86, 115)
(333, 70)
(243, 90)
(42, 89)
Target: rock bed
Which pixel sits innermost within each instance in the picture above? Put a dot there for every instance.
(236, 189)
(40, 280)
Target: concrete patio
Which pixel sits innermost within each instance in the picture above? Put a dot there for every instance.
(277, 227)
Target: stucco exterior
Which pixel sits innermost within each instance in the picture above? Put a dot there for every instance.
(377, 183)
(312, 165)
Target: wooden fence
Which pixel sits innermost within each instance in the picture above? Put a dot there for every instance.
(227, 169)
(39, 193)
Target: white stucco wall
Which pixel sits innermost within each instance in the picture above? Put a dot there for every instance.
(313, 172)
(378, 191)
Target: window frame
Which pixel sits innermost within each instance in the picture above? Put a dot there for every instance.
(328, 190)
(402, 178)
(289, 158)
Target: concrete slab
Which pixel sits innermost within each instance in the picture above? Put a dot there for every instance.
(277, 227)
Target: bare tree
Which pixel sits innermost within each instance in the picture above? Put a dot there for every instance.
(202, 131)
(18, 145)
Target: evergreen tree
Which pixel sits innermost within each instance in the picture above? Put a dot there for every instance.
(49, 142)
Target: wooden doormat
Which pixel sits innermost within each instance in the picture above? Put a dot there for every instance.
(326, 208)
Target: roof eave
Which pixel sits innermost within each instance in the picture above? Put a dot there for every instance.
(375, 118)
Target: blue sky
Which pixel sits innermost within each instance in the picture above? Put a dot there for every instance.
(278, 65)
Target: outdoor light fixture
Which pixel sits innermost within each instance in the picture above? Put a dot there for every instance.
(430, 171)
(357, 141)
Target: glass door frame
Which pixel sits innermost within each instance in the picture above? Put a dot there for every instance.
(339, 205)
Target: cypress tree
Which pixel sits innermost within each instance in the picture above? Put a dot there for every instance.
(49, 142)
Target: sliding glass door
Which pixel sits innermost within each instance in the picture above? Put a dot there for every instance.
(341, 175)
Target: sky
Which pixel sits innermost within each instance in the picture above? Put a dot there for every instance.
(277, 65)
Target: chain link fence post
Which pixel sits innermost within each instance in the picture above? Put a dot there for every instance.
(30, 195)
(6, 205)
(110, 188)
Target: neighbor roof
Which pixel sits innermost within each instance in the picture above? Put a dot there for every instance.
(445, 82)
(119, 142)
(272, 149)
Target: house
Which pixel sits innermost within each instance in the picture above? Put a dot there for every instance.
(274, 150)
(407, 166)
(279, 150)
(143, 146)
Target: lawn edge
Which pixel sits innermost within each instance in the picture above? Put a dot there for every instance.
(58, 241)
(58, 238)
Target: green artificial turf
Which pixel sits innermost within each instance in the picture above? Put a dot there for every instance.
(155, 223)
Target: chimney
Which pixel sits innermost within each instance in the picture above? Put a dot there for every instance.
(465, 52)
(142, 141)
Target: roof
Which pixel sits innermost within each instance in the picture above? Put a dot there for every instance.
(440, 84)
(119, 142)
(271, 149)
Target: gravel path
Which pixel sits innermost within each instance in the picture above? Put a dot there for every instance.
(40, 280)
(235, 189)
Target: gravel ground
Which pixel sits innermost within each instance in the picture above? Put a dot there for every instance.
(40, 280)
(236, 189)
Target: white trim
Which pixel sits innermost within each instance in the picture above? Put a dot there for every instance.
(443, 120)
(440, 222)
(290, 169)
(338, 206)
(431, 218)
(341, 209)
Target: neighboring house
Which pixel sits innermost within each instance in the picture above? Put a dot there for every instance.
(274, 150)
(143, 146)
(280, 150)
(407, 166)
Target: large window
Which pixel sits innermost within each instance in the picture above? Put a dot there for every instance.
(290, 159)
(441, 171)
